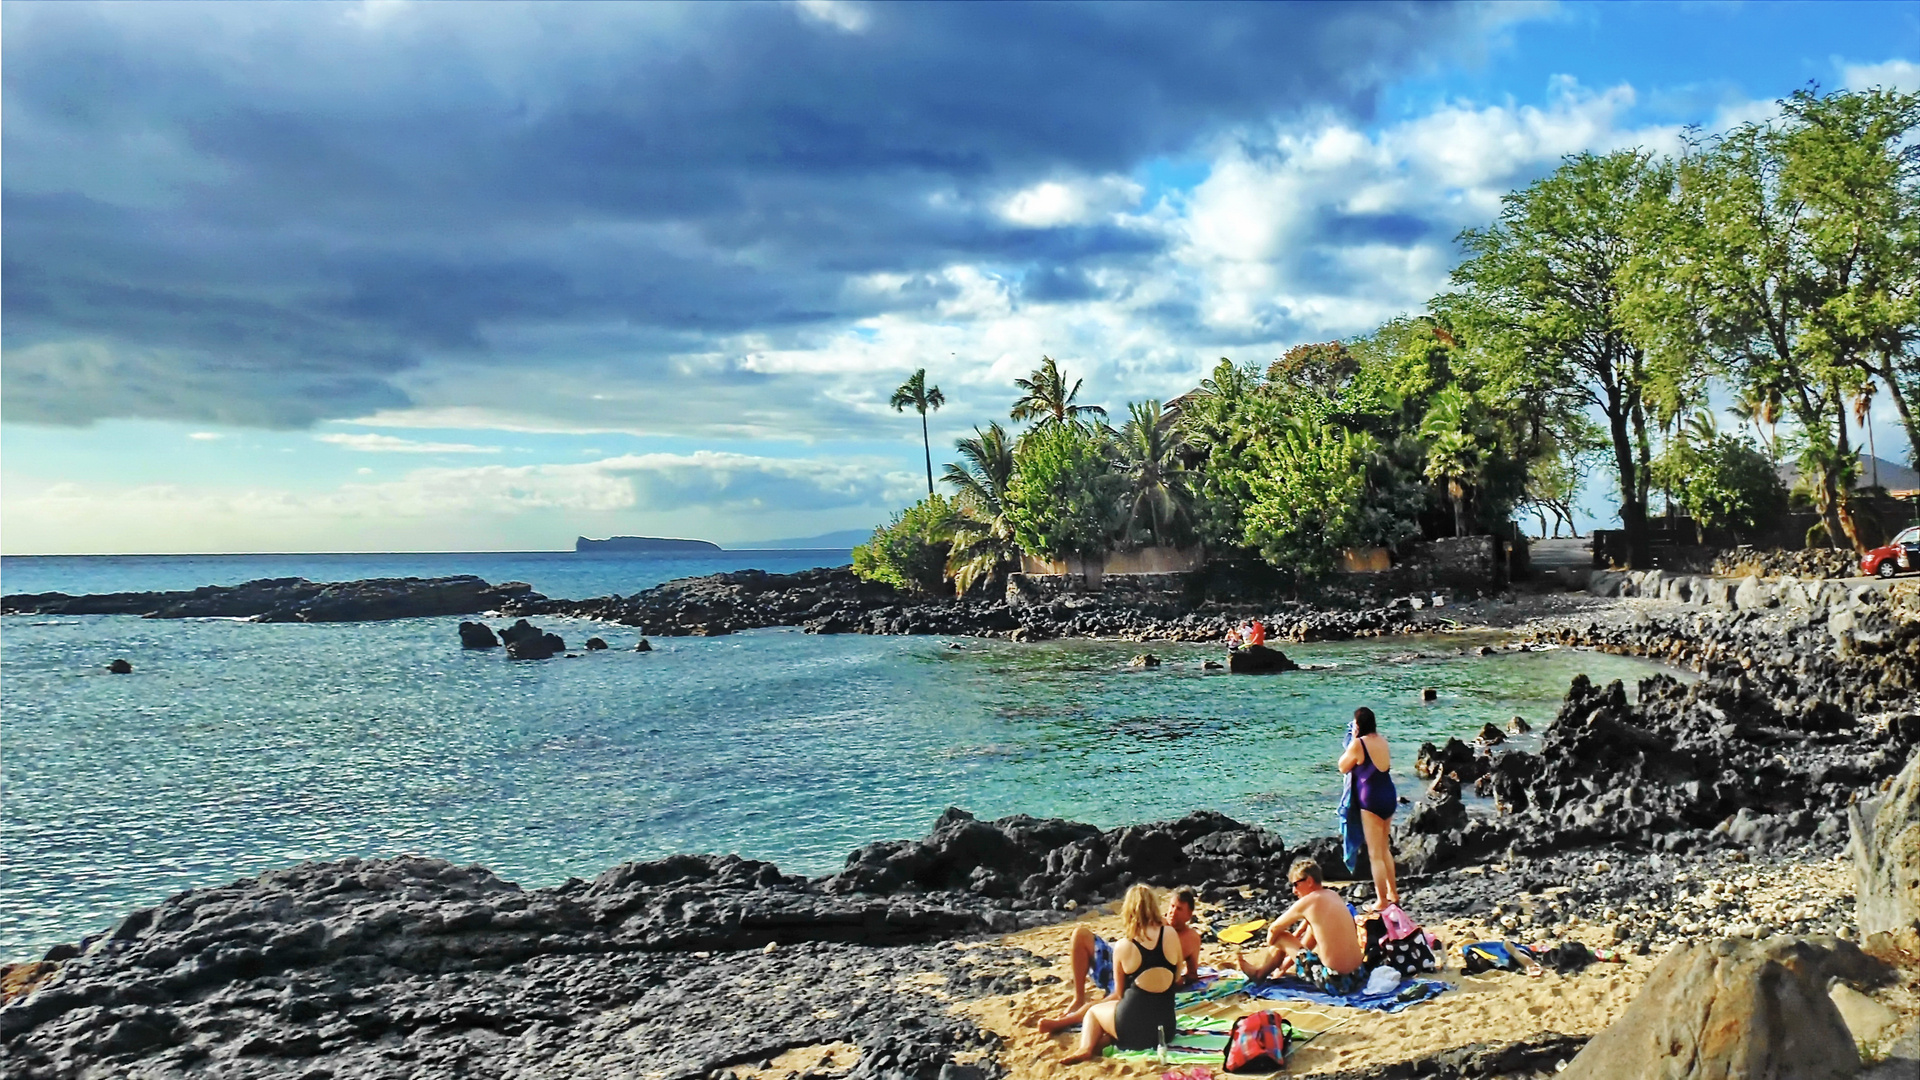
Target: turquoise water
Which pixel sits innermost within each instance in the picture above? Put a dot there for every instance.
(559, 574)
(237, 747)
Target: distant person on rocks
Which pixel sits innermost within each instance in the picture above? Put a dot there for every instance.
(1256, 633)
(1327, 953)
(1369, 760)
(1092, 957)
(1233, 638)
(1137, 1013)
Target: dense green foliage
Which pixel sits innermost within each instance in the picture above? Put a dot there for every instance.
(1591, 323)
(910, 551)
(1723, 481)
(1060, 501)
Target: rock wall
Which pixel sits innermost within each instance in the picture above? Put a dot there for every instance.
(1773, 563)
(1167, 590)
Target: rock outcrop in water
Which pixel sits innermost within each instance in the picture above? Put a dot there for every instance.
(291, 600)
(1798, 711)
(834, 601)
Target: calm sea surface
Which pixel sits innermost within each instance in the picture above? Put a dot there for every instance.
(236, 747)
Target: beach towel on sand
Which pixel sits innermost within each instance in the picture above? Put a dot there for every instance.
(1404, 996)
(1199, 1042)
(1212, 985)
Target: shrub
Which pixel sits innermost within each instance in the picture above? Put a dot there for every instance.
(910, 551)
(1062, 500)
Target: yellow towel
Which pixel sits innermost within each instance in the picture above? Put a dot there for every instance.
(1241, 933)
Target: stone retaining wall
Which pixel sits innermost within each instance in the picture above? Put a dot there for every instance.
(1853, 609)
(1809, 563)
(1147, 589)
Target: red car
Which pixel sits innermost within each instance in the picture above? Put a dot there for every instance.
(1900, 556)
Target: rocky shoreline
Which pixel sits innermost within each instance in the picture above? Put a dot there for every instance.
(1683, 811)
(279, 600)
(834, 601)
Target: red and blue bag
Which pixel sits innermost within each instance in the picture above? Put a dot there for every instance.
(1259, 1042)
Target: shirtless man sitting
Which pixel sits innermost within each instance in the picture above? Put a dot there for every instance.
(1093, 956)
(1327, 953)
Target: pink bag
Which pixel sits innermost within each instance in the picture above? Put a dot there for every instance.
(1400, 925)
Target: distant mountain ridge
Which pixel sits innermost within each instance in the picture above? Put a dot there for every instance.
(845, 538)
(653, 544)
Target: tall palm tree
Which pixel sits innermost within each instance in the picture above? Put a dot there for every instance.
(1157, 489)
(917, 393)
(1453, 454)
(983, 545)
(1047, 400)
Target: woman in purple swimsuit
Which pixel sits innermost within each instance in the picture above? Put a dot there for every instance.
(1368, 759)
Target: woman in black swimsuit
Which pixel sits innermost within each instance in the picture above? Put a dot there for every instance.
(1138, 1014)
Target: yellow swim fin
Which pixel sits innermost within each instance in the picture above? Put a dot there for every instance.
(1241, 933)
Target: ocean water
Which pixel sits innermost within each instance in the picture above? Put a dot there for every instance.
(236, 747)
(560, 574)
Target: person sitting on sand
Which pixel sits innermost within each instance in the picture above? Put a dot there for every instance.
(1368, 759)
(1137, 1013)
(1327, 953)
(1092, 956)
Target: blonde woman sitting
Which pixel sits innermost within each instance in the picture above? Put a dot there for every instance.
(1138, 1012)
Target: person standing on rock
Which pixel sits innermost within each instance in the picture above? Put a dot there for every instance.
(1138, 1012)
(1091, 957)
(1367, 761)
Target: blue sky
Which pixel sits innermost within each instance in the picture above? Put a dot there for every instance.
(397, 276)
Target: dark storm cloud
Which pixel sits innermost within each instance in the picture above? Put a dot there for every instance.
(264, 213)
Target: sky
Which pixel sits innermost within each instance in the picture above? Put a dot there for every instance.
(397, 276)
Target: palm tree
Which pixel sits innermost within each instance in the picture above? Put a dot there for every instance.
(1157, 488)
(1453, 454)
(1758, 406)
(917, 393)
(983, 544)
(1048, 400)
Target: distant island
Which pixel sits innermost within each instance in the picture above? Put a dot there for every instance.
(832, 541)
(652, 544)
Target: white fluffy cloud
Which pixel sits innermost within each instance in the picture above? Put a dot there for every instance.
(728, 497)
(373, 443)
(1889, 74)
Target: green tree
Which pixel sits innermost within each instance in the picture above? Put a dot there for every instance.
(1157, 496)
(983, 547)
(910, 551)
(1553, 275)
(1218, 422)
(1061, 498)
(916, 393)
(1454, 459)
(1046, 398)
(1801, 266)
(1306, 489)
(1723, 481)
